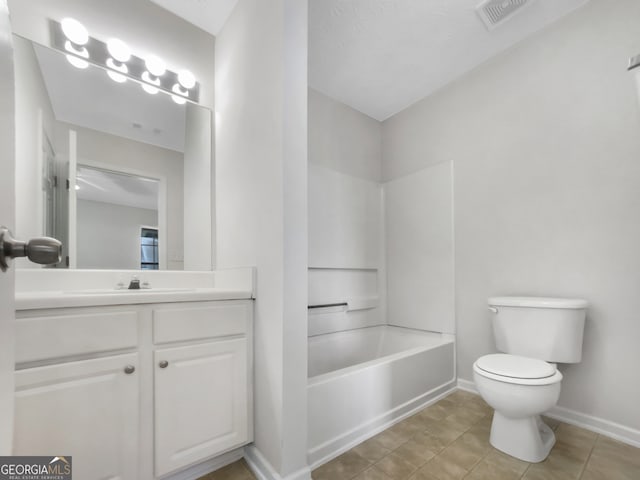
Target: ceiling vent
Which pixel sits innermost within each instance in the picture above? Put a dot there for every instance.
(494, 12)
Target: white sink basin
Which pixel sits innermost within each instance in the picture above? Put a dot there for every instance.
(124, 291)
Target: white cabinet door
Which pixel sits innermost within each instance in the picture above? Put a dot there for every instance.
(88, 410)
(200, 402)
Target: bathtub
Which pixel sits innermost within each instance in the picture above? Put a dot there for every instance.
(361, 381)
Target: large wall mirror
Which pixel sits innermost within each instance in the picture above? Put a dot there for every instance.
(112, 171)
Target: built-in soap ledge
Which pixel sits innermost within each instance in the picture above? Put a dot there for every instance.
(56, 288)
(349, 305)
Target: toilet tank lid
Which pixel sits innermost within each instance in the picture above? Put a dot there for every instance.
(538, 302)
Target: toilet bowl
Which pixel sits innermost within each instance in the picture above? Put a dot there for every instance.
(519, 389)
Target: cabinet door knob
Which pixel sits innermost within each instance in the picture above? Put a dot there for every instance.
(129, 369)
(163, 364)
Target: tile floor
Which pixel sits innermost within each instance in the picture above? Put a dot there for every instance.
(450, 440)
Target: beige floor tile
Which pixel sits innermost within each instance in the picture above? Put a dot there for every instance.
(421, 422)
(488, 471)
(344, 467)
(617, 451)
(575, 436)
(443, 469)
(372, 450)
(420, 475)
(613, 460)
(444, 432)
(390, 439)
(476, 442)
(396, 466)
(429, 442)
(463, 419)
(415, 453)
(235, 471)
(460, 396)
(478, 405)
(462, 454)
(407, 428)
(503, 461)
(437, 411)
(372, 473)
(562, 464)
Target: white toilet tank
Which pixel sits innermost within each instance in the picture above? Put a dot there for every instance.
(549, 329)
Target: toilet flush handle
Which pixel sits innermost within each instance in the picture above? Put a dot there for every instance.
(493, 309)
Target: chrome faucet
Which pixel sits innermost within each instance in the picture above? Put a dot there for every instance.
(135, 283)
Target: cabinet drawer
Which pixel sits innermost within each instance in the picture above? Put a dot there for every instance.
(199, 322)
(47, 337)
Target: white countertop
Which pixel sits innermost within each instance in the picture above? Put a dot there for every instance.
(94, 298)
(61, 288)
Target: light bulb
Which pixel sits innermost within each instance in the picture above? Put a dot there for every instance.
(80, 50)
(74, 31)
(149, 89)
(178, 100)
(116, 77)
(155, 66)
(118, 50)
(176, 89)
(121, 67)
(186, 79)
(77, 62)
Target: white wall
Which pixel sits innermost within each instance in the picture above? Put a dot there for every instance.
(109, 235)
(120, 154)
(343, 139)
(198, 217)
(34, 116)
(346, 225)
(545, 144)
(419, 243)
(345, 220)
(261, 207)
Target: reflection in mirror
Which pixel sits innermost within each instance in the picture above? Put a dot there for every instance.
(116, 214)
(90, 150)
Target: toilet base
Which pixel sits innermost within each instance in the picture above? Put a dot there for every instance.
(528, 439)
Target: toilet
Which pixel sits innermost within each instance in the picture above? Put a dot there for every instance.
(520, 384)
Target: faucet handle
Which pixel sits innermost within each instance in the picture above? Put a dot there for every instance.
(134, 284)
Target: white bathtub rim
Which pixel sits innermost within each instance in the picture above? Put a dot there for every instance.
(384, 325)
(342, 372)
(358, 367)
(412, 407)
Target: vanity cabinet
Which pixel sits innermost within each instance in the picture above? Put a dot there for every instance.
(87, 409)
(200, 402)
(160, 388)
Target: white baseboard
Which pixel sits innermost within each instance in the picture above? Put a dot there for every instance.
(337, 446)
(595, 424)
(263, 470)
(208, 466)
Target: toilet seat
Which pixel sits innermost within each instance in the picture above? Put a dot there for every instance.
(517, 370)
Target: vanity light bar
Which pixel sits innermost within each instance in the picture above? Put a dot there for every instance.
(98, 54)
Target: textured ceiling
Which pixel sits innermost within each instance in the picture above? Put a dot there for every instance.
(209, 15)
(380, 56)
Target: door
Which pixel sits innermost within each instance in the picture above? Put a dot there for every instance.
(7, 208)
(88, 410)
(200, 402)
